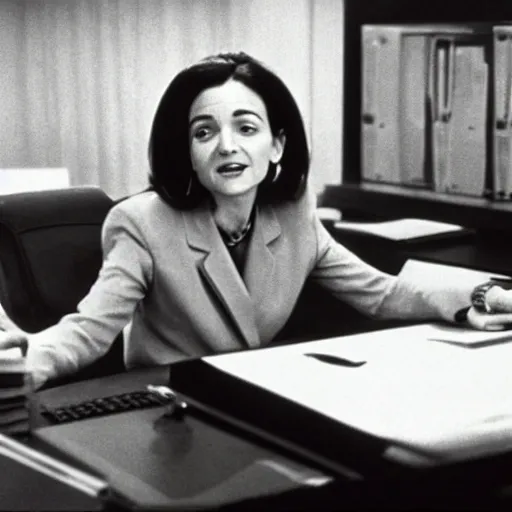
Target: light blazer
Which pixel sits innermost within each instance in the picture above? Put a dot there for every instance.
(168, 274)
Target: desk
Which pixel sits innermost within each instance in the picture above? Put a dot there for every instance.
(184, 458)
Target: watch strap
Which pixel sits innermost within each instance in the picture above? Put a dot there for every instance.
(478, 296)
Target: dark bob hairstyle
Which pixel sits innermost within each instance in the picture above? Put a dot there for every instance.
(171, 173)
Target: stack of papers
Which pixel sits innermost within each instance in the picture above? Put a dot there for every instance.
(14, 393)
(402, 229)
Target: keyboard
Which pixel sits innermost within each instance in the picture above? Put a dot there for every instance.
(105, 406)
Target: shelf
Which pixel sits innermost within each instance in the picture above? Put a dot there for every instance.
(396, 201)
(490, 218)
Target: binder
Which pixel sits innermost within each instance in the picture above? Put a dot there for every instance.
(470, 100)
(412, 119)
(459, 99)
(385, 50)
(502, 126)
(396, 85)
(441, 80)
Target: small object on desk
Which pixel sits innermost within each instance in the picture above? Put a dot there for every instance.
(339, 361)
(107, 405)
(161, 391)
(176, 408)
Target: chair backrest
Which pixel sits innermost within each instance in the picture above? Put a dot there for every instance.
(50, 252)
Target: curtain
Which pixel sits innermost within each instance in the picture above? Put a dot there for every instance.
(89, 74)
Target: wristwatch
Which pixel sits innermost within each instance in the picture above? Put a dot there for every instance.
(478, 296)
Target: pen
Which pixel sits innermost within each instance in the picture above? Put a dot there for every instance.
(339, 361)
(42, 463)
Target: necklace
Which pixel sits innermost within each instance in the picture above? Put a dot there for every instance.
(232, 240)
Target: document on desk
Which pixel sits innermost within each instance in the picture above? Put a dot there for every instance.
(467, 337)
(400, 230)
(444, 400)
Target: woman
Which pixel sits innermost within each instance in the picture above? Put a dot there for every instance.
(214, 257)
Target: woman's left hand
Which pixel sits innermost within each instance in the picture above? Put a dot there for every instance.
(499, 315)
(499, 300)
(489, 321)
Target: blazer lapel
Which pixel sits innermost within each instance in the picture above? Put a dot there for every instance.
(260, 266)
(220, 272)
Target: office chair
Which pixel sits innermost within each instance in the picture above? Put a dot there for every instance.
(50, 255)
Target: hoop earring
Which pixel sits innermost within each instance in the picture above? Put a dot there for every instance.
(277, 172)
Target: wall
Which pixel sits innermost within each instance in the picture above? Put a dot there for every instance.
(12, 132)
(82, 79)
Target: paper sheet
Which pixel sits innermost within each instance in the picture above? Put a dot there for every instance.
(13, 181)
(440, 277)
(401, 229)
(442, 271)
(443, 399)
(467, 337)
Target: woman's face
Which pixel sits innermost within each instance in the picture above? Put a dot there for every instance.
(231, 143)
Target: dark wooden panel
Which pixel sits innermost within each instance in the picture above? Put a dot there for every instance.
(394, 201)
